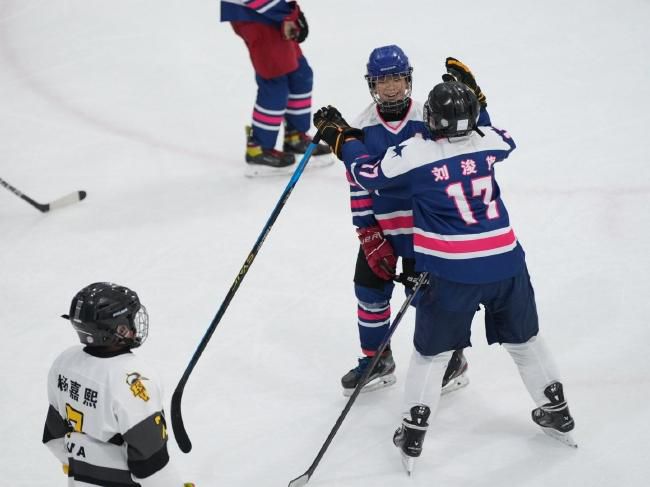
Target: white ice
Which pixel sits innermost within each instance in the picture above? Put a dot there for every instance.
(142, 103)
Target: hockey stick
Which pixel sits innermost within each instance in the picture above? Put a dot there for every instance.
(304, 478)
(180, 433)
(52, 205)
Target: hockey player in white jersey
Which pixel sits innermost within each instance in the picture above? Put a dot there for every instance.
(105, 421)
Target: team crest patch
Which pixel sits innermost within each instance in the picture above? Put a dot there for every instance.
(134, 380)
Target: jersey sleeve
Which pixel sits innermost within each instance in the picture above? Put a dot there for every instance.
(56, 427)
(141, 419)
(366, 170)
(255, 10)
(363, 215)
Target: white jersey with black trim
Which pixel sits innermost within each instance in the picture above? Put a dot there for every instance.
(106, 421)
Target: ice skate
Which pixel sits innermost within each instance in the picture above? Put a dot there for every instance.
(456, 374)
(554, 417)
(381, 376)
(297, 142)
(266, 162)
(409, 437)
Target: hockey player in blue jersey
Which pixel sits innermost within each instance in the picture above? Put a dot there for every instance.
(462, 237)
(272, 31)
(384, 224)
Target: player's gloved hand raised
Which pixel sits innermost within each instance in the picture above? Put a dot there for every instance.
(333, 128)
(378, 251)
(457, 71)
(294, 25)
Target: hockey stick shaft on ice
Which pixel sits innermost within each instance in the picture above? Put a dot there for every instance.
(45, 207)
(304, 478)
(180, 433)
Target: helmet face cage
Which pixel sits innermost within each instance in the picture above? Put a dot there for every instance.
(140, 326)
(393, 106)
(386, 63)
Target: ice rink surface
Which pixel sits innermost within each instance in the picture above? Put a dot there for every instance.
(143, 103)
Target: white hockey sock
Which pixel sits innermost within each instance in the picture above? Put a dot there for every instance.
(424, 381)
(536, 366)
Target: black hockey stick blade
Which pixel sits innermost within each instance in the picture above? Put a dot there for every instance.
(422, 279)
(180, 433)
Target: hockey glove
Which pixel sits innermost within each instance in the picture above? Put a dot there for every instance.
(409, 276)
(294, 25)
(334, 129)
(457, 71)
(378, 251)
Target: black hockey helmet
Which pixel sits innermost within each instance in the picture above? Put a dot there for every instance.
(105, 314)
(451, 110)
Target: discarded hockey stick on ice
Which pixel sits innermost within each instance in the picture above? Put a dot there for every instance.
(180, 433)
(304, 478)
(45, 207)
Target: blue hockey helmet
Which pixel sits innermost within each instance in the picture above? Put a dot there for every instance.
(386, 63)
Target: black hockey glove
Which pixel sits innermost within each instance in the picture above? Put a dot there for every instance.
(409, 276)
(298, 30)
(457, 71)
(333, 128)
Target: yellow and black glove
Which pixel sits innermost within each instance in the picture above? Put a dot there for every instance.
(457, 71)
(333, 129)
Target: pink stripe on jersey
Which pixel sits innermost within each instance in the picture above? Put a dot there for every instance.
(362, 203)
(396, 222)
(306, 103)
(464, 246)
(270, 119)
(255, 4)
(367, 315)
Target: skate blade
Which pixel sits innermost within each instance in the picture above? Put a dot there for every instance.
(455, 384)
(408, 463)
(261, 171)
(373, 385)
(565, 438)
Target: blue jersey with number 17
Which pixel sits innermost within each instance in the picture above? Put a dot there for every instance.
(461, 228)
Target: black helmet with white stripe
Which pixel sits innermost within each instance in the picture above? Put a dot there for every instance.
(451, 110)
(107, 315)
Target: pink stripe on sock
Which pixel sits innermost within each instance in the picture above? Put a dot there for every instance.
(306, 103)
(365, 315)
(273, 120)
(364, 203)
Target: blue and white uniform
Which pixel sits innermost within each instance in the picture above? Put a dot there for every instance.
(461, 227)
(283, 75)
(393, 215)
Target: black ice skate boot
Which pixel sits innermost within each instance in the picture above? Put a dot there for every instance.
(554, 417)
(455, 376)
(297, 142)
(381, 376)
(409, 437)
(266, 162)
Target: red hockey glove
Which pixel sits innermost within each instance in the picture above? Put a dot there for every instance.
(379, 253)
(294, 25)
